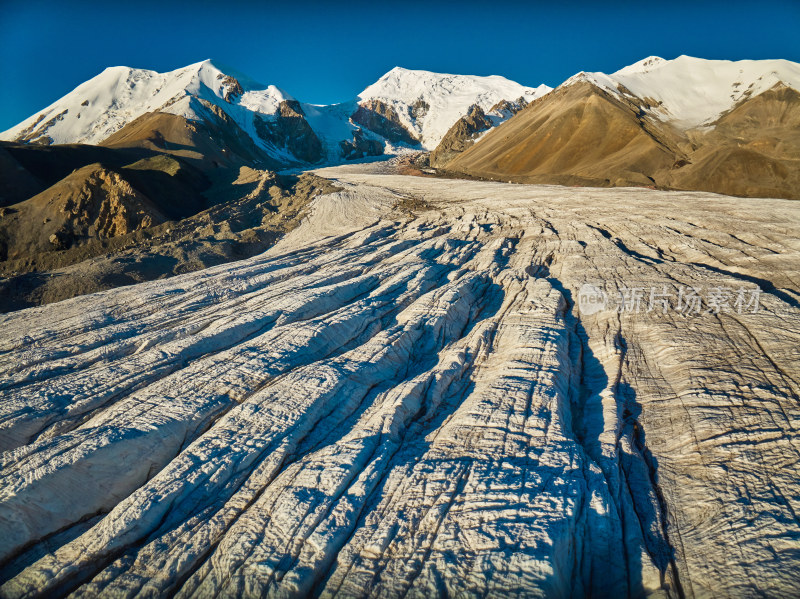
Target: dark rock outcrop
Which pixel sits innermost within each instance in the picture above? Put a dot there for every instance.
(419, 109)
(360, 146)
(460, 136)
(289, 129)
(232, 89)
(507, 109)
(379, 117)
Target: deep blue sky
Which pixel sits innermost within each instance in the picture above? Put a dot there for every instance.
(328, 52)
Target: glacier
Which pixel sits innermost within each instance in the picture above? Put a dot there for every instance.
(403, 398)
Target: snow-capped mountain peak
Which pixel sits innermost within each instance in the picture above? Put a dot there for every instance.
(643, 66)
(691, 92)
(427, 103)
(104, 104)
(405, 106)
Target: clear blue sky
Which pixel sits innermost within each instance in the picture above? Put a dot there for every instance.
(328, 52)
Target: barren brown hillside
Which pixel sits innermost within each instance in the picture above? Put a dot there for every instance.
(581, 134)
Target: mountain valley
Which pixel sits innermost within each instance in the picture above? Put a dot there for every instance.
(454, 337)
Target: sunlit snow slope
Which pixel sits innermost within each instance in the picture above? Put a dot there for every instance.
(402, 399)
(443, 98)
(426, 103)
(106, 103)
(688, 91)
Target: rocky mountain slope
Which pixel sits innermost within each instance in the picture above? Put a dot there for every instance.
(262, 125)
(201, 95)
(471, 127)
(682, 124)
(404, 398)
(578, 134)
(95, 230)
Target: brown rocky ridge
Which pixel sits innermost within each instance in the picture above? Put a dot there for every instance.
(581, 134)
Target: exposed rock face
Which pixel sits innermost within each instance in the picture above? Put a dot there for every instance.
(381, 118)
(93, 202)
(581, 134)
(32, 133)
(411, 404)
(508, 108)
(107, 206)
(232, 89)
(360, 146)
(461, 136)
(301, 139)
(468, 129)
(248, 217)
(289, 129)
(419, 109)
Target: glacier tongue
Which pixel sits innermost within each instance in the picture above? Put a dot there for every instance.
(401, 398)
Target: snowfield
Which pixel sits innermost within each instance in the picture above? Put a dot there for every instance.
(402, 398)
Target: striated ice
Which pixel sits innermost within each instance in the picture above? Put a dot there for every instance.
(397, 403)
